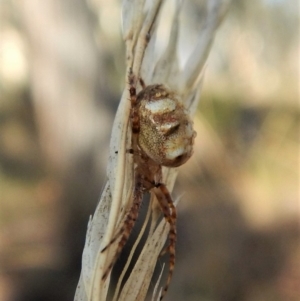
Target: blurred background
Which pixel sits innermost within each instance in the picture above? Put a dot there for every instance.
(61, 77)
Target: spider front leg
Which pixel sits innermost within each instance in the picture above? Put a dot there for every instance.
(132, 215)
(167, 206)
(134, 116)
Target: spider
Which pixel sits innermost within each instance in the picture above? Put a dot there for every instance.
(162, 135)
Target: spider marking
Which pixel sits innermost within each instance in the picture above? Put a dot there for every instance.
(162, 135)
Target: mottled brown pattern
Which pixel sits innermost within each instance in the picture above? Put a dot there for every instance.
(153, 147)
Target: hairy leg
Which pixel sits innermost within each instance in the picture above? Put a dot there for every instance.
(127, 227)
(167, 206)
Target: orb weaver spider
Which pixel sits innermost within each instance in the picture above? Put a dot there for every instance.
(162, 135)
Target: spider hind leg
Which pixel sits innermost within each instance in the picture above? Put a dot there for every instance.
(126, 229)
(167, 206)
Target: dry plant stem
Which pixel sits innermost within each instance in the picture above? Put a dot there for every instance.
(215, 13)
(132, 16)
(144, 37)
(138, 28)
(157, 283)
(166, 69)
(96, 228)
(138, 56)
(116, 167)
(131, 34)
(136, 287)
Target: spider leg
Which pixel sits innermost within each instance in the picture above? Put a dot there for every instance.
(132, 89)
(142, 83)
(127, 226)
(134, 116)
(165, 200)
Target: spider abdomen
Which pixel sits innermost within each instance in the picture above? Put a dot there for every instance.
(166, 131)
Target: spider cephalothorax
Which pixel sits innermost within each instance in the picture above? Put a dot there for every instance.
(162, 135)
